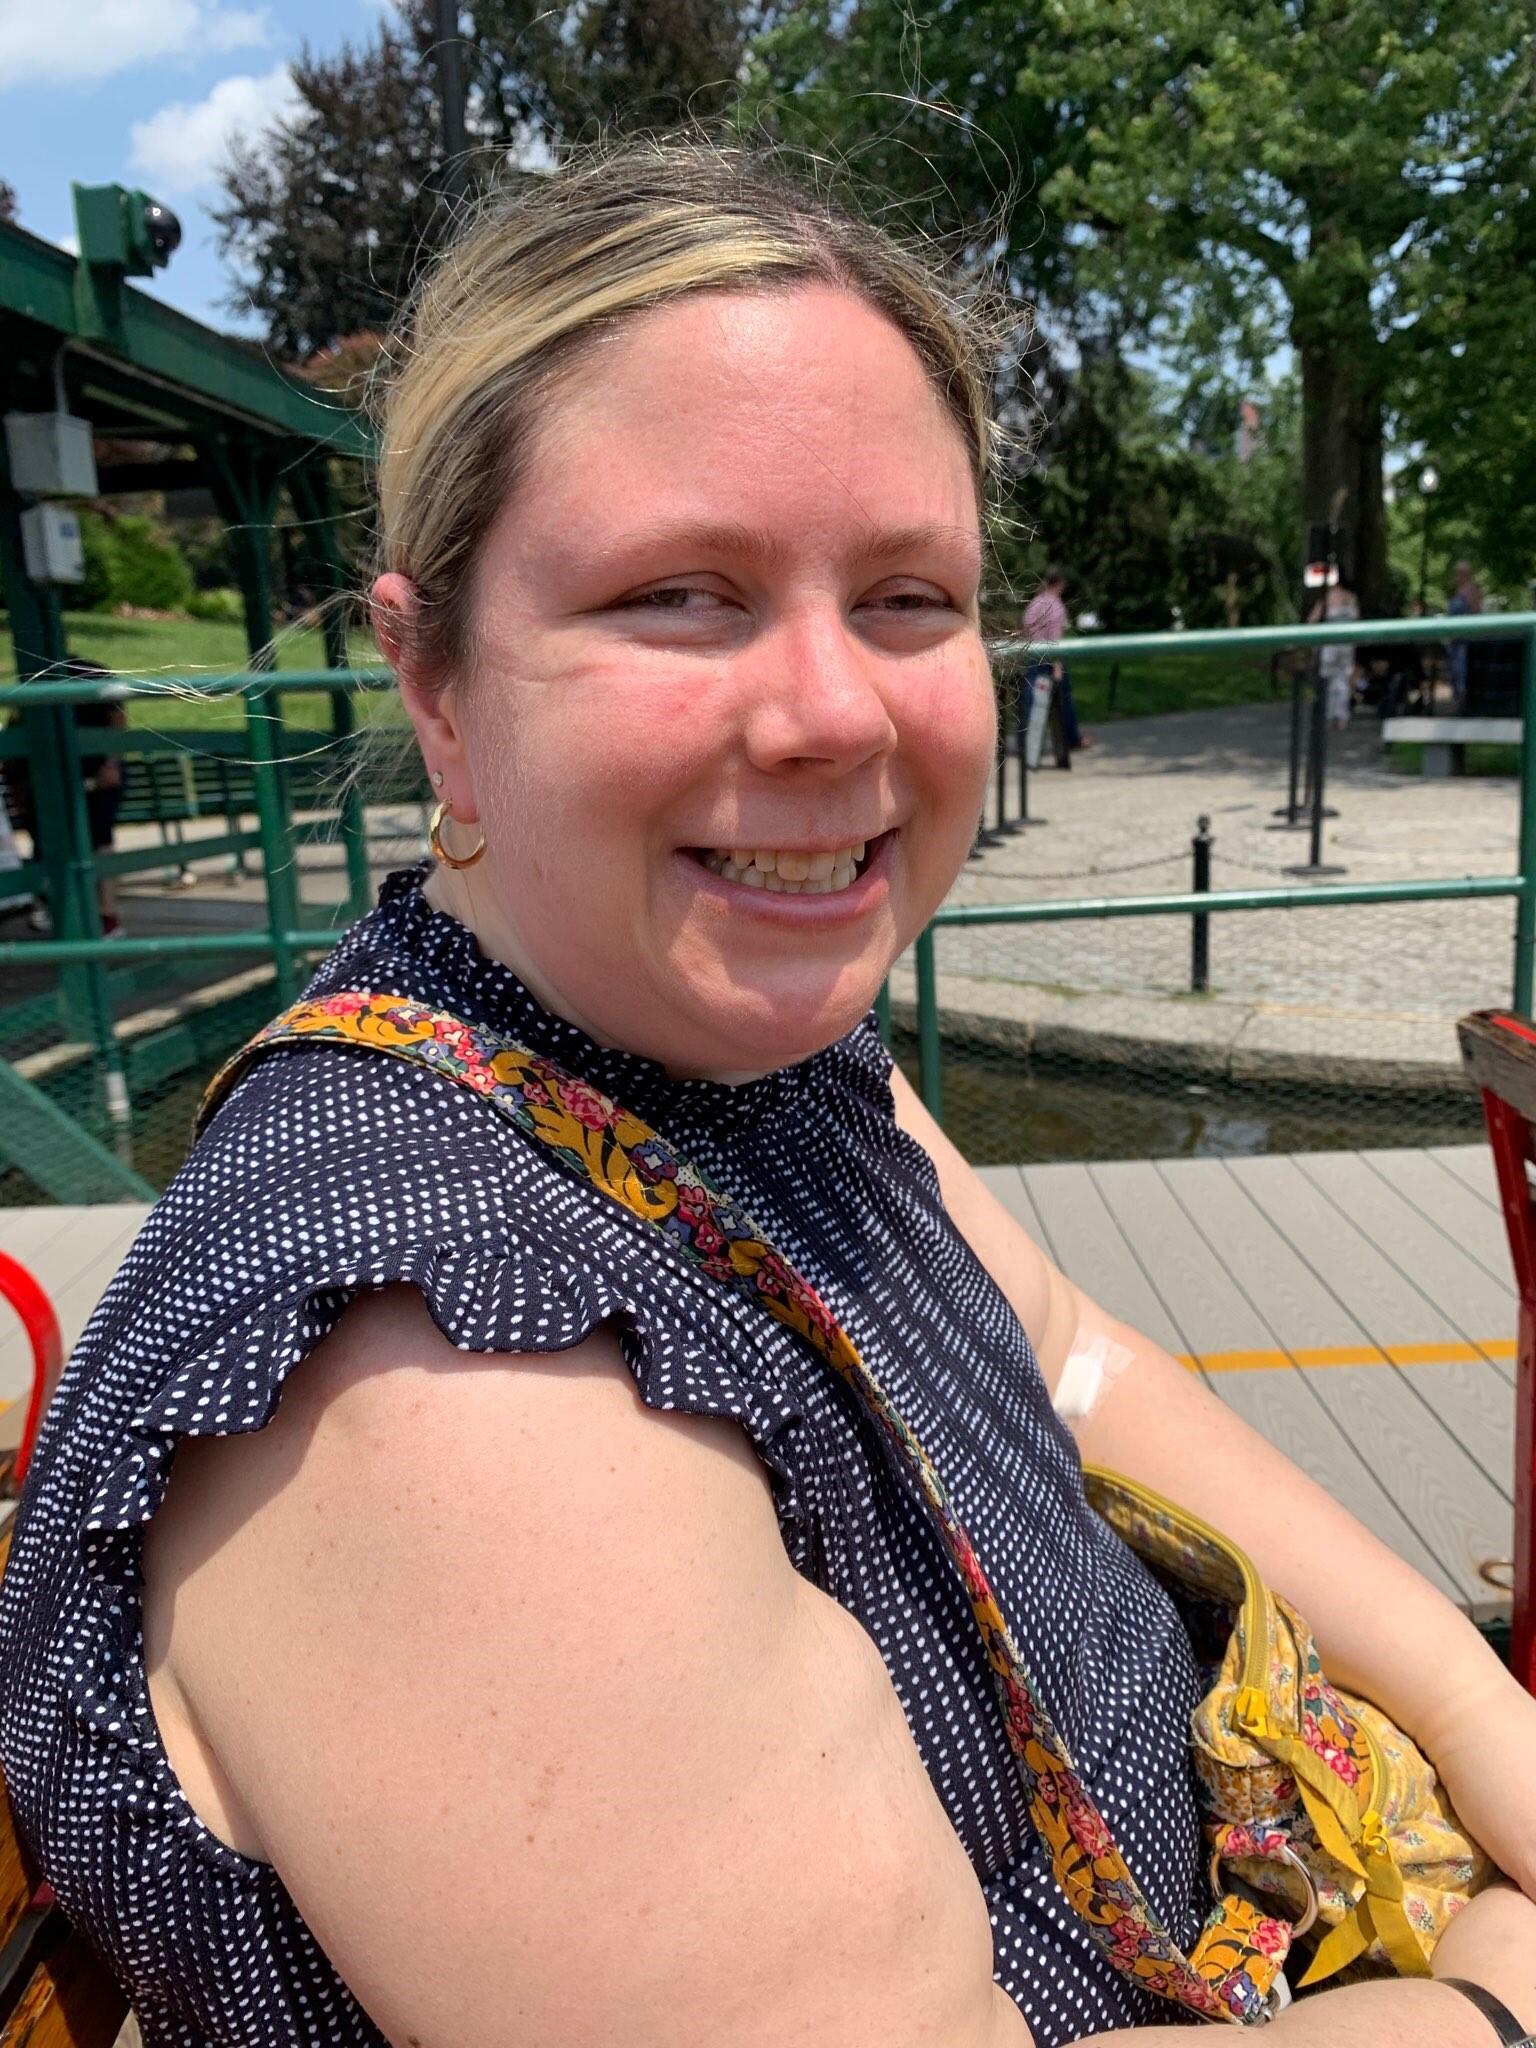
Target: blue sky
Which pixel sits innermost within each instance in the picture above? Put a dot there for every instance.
(147, 93)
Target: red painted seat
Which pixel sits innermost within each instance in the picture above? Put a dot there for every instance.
(26, 1297)
(1500, 1055)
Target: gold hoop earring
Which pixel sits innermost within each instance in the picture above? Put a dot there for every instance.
(435, 839)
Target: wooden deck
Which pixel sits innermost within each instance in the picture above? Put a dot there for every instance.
(1357, 1307)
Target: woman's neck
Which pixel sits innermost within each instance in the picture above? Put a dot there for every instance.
(455, 895)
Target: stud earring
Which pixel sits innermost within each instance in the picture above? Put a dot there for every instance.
(437, 778)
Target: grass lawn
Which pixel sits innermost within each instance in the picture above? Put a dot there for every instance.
(1478, 759)
(1170, 682)
(191, 648)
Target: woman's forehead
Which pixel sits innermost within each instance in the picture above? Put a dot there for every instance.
(754, 409)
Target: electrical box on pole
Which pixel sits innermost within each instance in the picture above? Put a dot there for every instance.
(51, 547)
(51, 455)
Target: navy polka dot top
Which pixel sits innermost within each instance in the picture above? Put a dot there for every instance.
(328, 1171)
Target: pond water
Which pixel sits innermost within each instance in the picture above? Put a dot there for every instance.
(1003, 1110)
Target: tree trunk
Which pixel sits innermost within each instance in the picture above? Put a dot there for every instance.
(1341, 380)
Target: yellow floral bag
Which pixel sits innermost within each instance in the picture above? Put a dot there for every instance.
(1313, 1802)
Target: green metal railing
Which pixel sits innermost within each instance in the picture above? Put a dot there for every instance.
(69, 1131)
(1263, 640)
(68, 867)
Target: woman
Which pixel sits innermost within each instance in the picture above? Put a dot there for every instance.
(560, 1660)
(1336, 662)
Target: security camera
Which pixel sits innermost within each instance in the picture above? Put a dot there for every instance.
(128, 232)
(162, 230)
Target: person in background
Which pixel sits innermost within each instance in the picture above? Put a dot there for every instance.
(1336, 664)
(1466, 600)
(1045, 621)
(10, 861)
(103, 776)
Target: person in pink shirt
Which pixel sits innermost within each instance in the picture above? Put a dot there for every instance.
(1045, 621)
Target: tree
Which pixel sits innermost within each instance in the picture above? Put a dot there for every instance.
(331, 213)
(599, 67)
(327, 214)
(1279, 171)
(7, 201)
(1468, 400)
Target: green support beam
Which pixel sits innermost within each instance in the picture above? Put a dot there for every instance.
(94, 307)
(56, 1152)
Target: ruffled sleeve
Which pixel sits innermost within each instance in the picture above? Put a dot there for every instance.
(557, 1260)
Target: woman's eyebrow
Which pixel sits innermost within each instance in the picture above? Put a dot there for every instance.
(759, 544)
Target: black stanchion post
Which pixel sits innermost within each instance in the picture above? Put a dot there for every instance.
(1200, 920)
(1289, 813)
(987, 836)
(1317, 777)
(1000, 824)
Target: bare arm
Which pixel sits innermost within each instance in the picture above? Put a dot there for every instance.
(1382, 1629)
(512, 1681)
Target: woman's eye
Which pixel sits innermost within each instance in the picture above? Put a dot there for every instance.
(671, 597)
(910, 600)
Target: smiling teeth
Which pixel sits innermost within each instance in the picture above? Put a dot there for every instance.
(787, 873)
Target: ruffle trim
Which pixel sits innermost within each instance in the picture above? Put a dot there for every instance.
(484, 1299)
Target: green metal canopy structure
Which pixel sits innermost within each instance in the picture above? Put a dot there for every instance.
(95, 377)
(77, 338)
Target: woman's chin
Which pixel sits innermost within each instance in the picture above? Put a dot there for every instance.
(748, 1038)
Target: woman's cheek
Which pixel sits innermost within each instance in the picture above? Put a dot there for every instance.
(957, 737)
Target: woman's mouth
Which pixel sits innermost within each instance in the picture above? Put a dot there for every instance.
(787, 871)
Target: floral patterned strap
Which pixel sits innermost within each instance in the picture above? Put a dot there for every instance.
(1241, 1952)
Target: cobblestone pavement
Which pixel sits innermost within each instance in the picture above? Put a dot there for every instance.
(1358, 983)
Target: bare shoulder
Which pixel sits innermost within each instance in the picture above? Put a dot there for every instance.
(511, 1679)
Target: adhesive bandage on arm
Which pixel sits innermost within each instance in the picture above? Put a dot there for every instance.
(1089, 1373)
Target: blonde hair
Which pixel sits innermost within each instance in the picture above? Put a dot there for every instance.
(543, 275)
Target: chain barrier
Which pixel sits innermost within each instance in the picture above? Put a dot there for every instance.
(1252, 867)
(1130, 867)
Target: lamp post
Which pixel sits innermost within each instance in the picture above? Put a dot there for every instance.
(1429, 483)
(450, 84)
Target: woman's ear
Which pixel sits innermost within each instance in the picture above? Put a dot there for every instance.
(430, 702)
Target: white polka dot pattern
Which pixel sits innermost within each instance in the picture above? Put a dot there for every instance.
(330, 1171)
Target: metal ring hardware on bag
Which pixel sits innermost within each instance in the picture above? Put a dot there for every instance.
(1286, 1855)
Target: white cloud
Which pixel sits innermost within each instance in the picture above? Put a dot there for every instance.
(179, 150)
(80, 42)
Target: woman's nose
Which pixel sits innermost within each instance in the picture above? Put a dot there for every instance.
(816, 697)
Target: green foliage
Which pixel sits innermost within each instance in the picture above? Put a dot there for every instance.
(332, 213)
(223, 605)
(327, 214)
(148, 568)
(1271, 172)
(131, 560)
(1468, 397)
(95, 593)
(166, 648)
(1353, 177)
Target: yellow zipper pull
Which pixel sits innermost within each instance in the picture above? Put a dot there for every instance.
(1250, 1710)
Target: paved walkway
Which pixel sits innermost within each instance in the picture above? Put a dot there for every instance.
(1309, 993)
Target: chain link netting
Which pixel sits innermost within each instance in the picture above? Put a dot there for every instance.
(1321, 1029)
(174, 1020)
